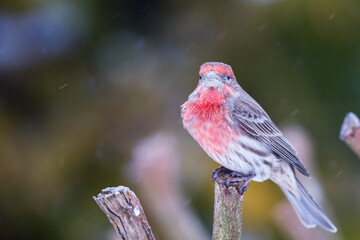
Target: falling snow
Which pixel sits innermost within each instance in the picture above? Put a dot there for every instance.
(293, 113)
(65, 85)
(262, 27)
(339, 173)
(189, 47)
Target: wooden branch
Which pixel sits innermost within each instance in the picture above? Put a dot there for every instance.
(125, 213)
(227, 206)
(350, 132)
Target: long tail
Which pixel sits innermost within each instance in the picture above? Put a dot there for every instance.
(308, 211)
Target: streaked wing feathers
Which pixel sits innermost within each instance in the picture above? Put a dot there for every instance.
(251, 117)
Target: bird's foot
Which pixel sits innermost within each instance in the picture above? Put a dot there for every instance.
(228, 178)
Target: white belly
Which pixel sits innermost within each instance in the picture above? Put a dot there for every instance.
(247, 156)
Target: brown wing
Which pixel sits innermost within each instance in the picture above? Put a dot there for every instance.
(249, 115)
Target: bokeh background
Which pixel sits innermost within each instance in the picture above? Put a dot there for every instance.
(83, 82)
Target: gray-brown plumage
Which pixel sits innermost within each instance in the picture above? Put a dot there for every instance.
(236, 132)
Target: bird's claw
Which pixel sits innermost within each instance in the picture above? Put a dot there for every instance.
(228, 178)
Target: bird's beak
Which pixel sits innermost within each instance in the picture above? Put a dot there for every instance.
(212, 80)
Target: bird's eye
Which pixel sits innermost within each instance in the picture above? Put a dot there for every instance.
(228, 77)
(200, 77)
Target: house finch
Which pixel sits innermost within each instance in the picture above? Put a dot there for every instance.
(236, 132)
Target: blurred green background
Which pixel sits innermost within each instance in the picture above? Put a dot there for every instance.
(81, 82)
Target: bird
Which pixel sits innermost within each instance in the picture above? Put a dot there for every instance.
(236, 132)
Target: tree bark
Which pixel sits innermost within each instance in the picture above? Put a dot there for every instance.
(350, 132)
(227, 207)
(125, 213)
